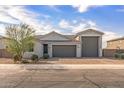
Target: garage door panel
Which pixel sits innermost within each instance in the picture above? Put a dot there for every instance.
(64, 50)
(90, 46)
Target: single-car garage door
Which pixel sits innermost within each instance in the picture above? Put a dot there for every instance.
(64, 50)
(89, 46)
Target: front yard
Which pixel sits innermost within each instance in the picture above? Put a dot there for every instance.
(70, 61)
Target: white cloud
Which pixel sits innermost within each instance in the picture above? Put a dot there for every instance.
(16, 14)
(55, 8)
(5, 17)
(77, 25)
(2, 30)
(74, 21)
(91, 23)
(84, 8)
(64, 24)
(85, 24)
(79, 28)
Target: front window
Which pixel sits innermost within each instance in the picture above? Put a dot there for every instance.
(45, 48)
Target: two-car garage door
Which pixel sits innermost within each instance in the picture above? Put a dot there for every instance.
(64, 50)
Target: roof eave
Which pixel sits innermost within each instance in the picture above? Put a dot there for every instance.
(81, 32)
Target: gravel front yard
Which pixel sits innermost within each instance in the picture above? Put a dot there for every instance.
(71, 61)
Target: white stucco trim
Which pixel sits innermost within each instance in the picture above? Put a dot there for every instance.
(90, 35)
(78, 50)
(50, 50)
(100, 46)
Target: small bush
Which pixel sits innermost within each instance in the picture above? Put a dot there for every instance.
(34, 58)
(122, 55)
(15, 58)
(45, 56)
(117, 55)
(25, 61)
(119, 51)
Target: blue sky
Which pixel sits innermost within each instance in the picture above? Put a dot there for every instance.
(106, 17)
(66, 19)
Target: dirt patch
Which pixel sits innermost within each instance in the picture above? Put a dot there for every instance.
(6, 61)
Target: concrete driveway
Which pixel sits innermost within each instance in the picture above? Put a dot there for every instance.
(83, 78)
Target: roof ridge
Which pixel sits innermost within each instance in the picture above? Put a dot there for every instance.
(89, 29)
(122, 37)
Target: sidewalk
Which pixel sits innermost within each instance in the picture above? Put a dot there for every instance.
(60, 66)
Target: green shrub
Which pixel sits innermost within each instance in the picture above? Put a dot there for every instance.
(25, 61)
(45, 56)
(122, 55)
(117, 55)
(15, 58)
(121, 51)
(34, 58)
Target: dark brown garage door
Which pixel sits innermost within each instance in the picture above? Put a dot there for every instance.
(89, 46)
(64, 50)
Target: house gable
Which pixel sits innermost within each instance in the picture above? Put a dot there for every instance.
(90, 32)
(54, 36)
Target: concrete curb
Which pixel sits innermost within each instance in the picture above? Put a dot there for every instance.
(59, 66)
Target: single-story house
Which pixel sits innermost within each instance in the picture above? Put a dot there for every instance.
(113, 46)
(3, 51)
(117, 43)
(86, 43)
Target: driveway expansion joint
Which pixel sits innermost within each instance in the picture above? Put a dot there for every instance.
(84, 76)
(23, 80)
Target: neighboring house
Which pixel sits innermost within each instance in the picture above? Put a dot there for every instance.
(113, 46)
(117, 43)
(2, 45)
(3, 52)
(86, 43)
